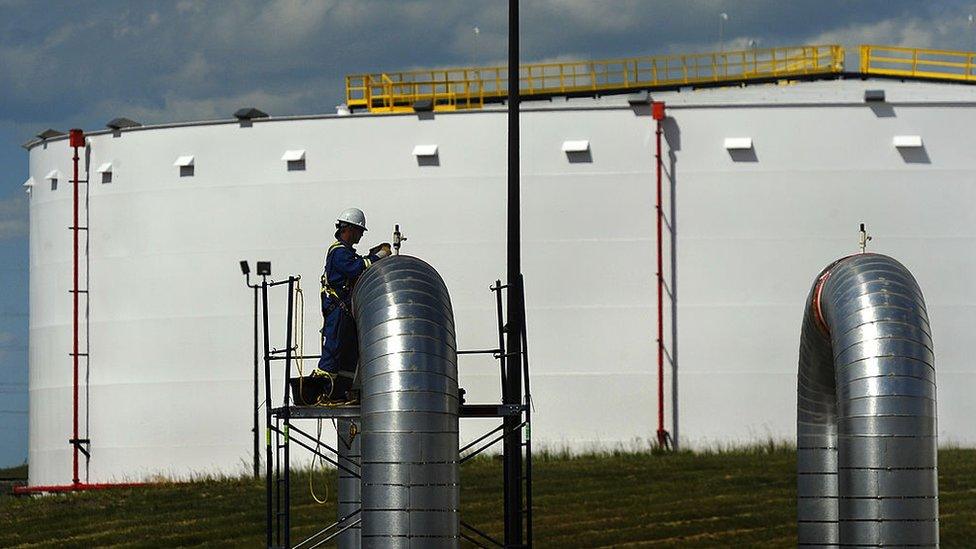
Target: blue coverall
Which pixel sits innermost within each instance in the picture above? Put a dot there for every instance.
(340, 347)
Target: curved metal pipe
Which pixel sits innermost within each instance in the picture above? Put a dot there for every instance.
(866, 409)
(408, 372)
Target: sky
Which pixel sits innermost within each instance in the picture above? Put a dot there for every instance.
(67, 64)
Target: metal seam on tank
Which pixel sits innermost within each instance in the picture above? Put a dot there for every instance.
(408, 376)
(863, 503)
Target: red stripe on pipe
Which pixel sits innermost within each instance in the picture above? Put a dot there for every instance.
(76, 487)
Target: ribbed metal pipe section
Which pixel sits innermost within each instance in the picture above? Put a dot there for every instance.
(408, 371)
(350, 488)
(866, 410)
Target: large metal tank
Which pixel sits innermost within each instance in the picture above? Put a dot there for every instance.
(170, 317)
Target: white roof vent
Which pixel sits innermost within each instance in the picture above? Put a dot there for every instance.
(425, 150)
(53, 174)
(184, 161)
(738, 143)
(293, 155)
(582, 145)
(104, 168)
(907, 141)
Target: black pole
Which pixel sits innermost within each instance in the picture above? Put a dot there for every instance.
(267, 407)
(289, 336)
(513, 394)
(257, 445)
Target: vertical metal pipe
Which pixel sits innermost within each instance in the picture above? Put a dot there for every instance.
(268, 461)
(500, 317)
(512, 446)
(349, 486)
(74, 325)
(528, 421)
(410, 405)
(257, 447)
(289, 338)
(866, 409)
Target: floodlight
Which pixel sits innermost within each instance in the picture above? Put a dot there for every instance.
(245, 268)
(264, 268)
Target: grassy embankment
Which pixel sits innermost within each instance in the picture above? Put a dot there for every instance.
(741, 498)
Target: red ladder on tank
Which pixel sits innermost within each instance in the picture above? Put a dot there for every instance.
(76, 140)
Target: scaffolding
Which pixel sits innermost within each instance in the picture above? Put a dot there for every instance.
(282, 429)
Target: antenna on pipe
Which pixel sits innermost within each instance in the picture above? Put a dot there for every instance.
(398, 239)
(864, 239)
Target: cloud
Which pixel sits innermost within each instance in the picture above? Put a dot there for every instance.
(186, 60)
(13, 221)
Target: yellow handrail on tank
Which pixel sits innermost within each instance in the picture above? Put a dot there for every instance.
(468, 88)
(918, 62)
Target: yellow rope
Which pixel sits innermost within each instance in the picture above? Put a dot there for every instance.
(311, 471)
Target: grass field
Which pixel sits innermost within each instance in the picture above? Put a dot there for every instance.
(733, 498)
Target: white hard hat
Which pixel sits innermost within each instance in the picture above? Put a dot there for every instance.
(353, 216)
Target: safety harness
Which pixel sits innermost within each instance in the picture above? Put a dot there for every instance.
(335, 298)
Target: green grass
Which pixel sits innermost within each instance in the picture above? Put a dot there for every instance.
(717, 498)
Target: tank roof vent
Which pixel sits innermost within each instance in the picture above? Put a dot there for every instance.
(249, 113)
(121, 123)
(293, 155)
(579, 146)
(423, 105)
(874, 96)
(49, 133)
(425, 150)
(639, 99)
(738, 143)
(907, 141)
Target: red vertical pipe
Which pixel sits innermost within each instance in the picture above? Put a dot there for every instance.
(76, 140)
(657, 111)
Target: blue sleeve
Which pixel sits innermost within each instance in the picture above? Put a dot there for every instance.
(347, 263)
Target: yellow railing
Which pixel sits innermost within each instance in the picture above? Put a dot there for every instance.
(466, 88)
(918, 63)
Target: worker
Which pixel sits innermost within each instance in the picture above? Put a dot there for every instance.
(343, 266)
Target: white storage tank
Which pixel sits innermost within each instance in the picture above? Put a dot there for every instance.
(770, 183)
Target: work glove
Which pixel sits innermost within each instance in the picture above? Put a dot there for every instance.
(381, 251)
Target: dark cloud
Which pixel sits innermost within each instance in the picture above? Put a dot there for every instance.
(81, 63)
